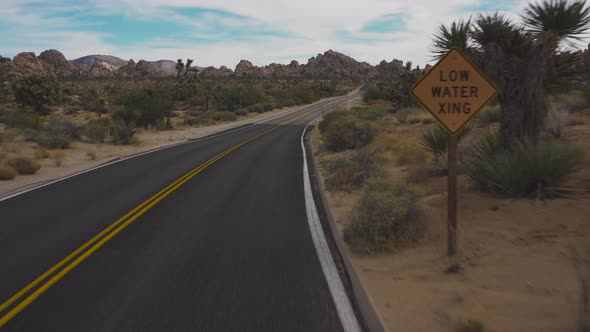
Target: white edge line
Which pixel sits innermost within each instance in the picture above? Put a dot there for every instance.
(344, 308)
(115, 161)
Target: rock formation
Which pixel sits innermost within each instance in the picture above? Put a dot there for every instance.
(212, 72)
(55, 64)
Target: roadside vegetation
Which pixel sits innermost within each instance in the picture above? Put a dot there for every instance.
(521, 161)
(57, 114)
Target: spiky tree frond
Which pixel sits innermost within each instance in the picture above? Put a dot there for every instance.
(566, 19)
(495, 29)
(457, 35)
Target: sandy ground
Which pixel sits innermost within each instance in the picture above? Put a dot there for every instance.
(525, 264)
(82, 156)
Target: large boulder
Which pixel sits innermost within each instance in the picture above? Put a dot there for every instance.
(5, 68)
(279, 70)
(56, 64)
(246, 69)
(213, 72)
(128, 70)
(332, 64)
(145, 69)
(26, 64)
(99, 69)
(392, 69)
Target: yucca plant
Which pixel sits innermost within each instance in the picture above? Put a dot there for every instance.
(529, 169)
(526, 61)
(436, 140)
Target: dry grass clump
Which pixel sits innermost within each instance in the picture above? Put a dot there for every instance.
(385, 217)
(7, 173)
(23, 165)
(412, 115)
(409, 153)
(58, 158)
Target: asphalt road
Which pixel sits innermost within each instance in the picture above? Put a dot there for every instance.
(228, 248)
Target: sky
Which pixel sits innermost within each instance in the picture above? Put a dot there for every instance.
(222, 32)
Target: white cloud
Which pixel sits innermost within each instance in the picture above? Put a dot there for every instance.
(313, 26)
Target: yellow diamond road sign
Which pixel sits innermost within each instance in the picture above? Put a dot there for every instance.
(454, 90)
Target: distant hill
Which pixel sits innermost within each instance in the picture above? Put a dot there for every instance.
(329, 65)
(111, 62)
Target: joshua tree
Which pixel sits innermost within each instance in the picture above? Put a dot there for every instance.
(526, 61)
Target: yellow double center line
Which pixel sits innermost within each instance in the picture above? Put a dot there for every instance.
(92, 245)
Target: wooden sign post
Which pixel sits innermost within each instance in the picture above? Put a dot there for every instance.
(454, 91)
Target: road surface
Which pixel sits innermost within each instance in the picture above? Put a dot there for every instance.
(211, 235)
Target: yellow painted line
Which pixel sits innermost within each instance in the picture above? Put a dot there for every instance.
(129, 217)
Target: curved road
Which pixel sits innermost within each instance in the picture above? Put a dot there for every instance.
(211, 235)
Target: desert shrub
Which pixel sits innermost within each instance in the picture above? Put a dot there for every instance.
(436, 140)
(385, 213)
(58, 158)
(408, 153)
(69, 127)
(370, 113)
(375, 93)
(23, 165)
(382, 142)
(349, 174)
(526, 170)
(269, 106)
(223, 116)
(7, 173)
(41, 153)
(97, 131)
(256, 108)
(122, 132)
(54, 139)
(36, 91)
(22, 120)
(490, 114)
(344, 174)
(241, 112)
(409, 115)
(144, 107)
(91, 155)
(342, 130)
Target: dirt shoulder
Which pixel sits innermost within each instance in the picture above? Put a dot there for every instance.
(524, 262)
(82, 156)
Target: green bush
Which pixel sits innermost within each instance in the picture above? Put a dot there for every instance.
(370, 113)
(23, 165)
(269, 106)
(122, 132)
(36, 91)
(342, 130)
(436, 140)
(7, 173)
(97, 131)
(223, 116)
(22, 120)
(54, 139)
(386, 216)
(375, 93)
(256, 108)
(146, 107)
(241, 112)
(527, 170)
(344, 174)
(67, 126)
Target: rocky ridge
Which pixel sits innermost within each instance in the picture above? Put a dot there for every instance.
(329, 65)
